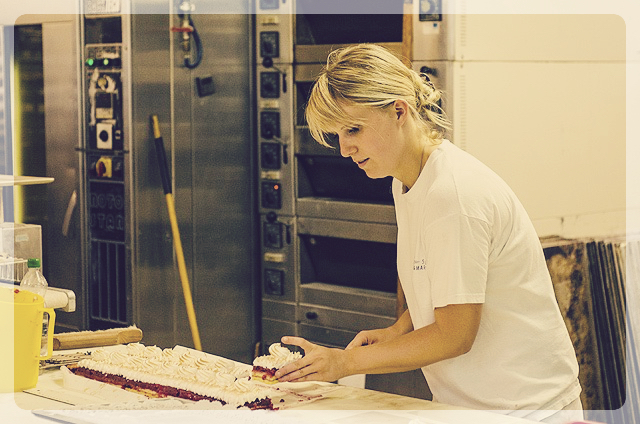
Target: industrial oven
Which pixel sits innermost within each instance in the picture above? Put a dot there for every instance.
(328, 231)
(106, 232)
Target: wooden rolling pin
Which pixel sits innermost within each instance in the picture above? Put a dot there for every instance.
(83, 339)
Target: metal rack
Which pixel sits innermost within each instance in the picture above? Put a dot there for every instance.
(12, 270)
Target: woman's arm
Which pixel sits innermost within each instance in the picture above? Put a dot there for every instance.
(452, 334)
(367, 337)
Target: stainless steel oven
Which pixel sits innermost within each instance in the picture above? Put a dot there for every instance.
(328, 231)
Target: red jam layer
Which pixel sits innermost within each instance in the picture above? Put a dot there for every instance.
(268, 371)
(162, 391)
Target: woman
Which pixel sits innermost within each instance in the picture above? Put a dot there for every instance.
(482, 319)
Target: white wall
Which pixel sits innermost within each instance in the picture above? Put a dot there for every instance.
(543, 101)
(556, 133)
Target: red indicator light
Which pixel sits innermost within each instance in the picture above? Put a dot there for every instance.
(276, 187)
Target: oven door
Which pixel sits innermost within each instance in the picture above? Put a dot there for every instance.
(322, 26)
(347, 278)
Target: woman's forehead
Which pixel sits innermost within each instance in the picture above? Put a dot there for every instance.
(347, 115)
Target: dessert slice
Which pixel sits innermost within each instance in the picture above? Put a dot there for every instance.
(265, 367)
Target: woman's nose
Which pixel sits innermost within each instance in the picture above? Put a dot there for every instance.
(346, 149)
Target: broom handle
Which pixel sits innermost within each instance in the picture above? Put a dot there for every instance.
(177, 243)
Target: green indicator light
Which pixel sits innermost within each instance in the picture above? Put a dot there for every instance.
(90, 62)
(105, 62)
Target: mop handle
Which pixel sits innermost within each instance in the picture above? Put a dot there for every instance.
(162, 156)
(182, 268)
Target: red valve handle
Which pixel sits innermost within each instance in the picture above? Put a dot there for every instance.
(182, 29)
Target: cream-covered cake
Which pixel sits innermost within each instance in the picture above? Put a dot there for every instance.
(182, 373)
(265, 367)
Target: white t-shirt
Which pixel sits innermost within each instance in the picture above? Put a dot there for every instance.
(464, 237)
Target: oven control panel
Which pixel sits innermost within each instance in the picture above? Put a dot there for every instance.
(276, 189)
(278, 257)
(105, 155)
(275, 135)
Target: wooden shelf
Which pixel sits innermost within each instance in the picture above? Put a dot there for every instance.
(15, 180)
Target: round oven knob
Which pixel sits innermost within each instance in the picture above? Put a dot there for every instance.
(104, 135)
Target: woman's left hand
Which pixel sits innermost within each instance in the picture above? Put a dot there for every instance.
(318, 364)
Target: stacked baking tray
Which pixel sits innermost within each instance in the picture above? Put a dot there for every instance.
(597, 288)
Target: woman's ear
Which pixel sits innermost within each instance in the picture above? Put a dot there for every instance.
(401, 109)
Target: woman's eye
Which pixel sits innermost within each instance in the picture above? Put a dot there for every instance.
(353, 130)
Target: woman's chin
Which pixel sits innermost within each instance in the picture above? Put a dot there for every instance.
(373, 174)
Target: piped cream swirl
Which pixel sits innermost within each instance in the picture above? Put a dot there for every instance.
(278, 357)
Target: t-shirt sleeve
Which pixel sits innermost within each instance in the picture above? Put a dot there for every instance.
(457, 259)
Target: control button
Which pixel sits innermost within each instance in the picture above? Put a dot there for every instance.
(104, 136)
(271, 198)
(269, 124)
(272, 233)
(104, 167)
(269, 44)
(270, 156)
(274, 282)
(270, 85)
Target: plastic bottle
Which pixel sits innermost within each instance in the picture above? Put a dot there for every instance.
(35, 282)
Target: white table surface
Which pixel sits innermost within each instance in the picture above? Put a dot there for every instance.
(339, 405)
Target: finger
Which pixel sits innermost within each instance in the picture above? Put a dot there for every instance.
(296, 341)
(294, 374)
(304, 377)
(292, 367)
(358, 340)
(353, 343)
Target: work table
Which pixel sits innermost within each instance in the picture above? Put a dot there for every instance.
(338, 404)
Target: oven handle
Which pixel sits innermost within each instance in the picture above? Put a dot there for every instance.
(365, 231)
(73, 200)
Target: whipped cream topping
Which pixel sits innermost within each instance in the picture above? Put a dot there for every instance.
(197, 372)
(278, 357)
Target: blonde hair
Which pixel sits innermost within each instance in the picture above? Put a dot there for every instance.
(370, 75)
